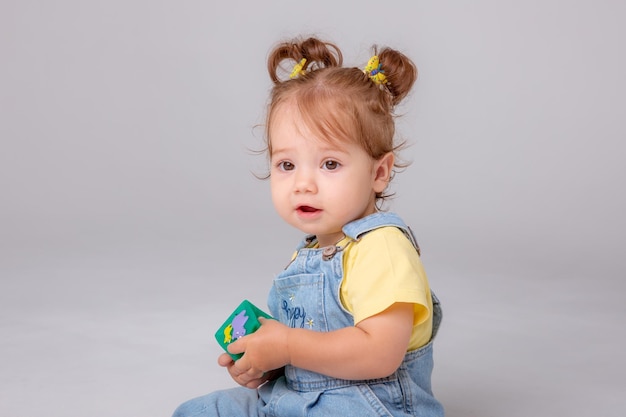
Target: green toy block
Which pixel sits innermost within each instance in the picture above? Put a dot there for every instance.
(243, 321)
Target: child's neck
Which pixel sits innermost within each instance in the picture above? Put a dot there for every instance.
(329, 240)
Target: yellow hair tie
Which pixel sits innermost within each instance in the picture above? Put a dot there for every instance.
(298, 69)
(374, 70)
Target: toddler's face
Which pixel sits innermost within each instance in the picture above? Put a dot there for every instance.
(317, 186)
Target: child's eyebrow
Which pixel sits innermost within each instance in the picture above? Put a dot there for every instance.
(279, 150)
(333, 149)
(323, 148)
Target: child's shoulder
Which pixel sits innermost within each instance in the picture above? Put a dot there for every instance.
(385, 239)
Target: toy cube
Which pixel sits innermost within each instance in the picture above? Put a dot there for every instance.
(243, 321)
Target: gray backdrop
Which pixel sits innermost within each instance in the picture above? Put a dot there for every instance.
(131, 223)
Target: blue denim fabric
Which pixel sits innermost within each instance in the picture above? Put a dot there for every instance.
(306, 295)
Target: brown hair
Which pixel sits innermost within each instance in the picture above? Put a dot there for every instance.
(340, 104)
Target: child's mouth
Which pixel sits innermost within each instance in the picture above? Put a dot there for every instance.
(307, 210)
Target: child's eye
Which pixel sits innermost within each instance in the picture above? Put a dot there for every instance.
(286, 166)
(331, 165)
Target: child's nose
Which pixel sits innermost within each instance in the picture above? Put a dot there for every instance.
(305, 182)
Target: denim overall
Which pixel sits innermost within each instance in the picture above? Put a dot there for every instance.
(306, 295)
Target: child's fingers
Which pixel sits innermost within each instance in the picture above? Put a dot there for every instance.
(245, 374)
(238, 346)
(224, 360)
(255, 383)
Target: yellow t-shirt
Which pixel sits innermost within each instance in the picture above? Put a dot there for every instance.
(383, 268)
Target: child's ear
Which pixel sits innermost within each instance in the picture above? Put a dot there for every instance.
(383, 168)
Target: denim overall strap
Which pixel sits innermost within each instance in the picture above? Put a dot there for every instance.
(366, 224)
(359, 227)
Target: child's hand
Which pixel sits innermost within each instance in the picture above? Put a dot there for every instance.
(244, 380)
(265, 350)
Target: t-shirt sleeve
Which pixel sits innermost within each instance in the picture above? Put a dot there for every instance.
(381, 269)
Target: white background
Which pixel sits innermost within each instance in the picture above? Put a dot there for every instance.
(131, 223)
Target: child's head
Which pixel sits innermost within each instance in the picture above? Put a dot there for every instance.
(340, 104)
(330, 134)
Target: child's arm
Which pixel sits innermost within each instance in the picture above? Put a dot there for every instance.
(374, 348)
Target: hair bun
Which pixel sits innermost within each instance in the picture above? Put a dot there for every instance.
(318, 54)
(400, 71)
